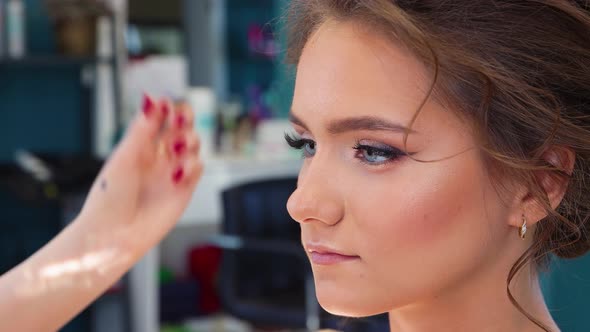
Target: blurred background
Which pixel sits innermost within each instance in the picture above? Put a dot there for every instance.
(73, 73)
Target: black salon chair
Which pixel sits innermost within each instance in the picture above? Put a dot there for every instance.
(265, 277)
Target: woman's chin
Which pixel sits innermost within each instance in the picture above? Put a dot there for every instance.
(347, 302)
(345, 310)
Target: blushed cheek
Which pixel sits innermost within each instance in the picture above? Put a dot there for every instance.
(426, 214)
(425, 222)
(435, 215)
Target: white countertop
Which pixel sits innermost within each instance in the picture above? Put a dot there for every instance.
(220, 174)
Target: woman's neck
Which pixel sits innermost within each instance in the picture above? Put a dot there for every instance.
(479, 303)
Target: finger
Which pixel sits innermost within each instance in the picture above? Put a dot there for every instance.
(151, 118)
(143, 132)
(166, 107)
(193, 143)
(188, 172)
(183, 118)
(179, 145)
(194, 172)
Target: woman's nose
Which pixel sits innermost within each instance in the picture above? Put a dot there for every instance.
(316, 198)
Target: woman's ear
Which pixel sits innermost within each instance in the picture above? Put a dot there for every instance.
(553, 185)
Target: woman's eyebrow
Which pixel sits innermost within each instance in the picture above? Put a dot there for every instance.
(365, 123)
(296, 120)
(357, 123)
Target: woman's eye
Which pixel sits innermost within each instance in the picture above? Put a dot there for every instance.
(308, 146)
(377, 155)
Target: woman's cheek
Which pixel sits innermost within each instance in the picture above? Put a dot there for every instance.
(417, 212)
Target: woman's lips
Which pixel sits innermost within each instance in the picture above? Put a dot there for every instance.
(325, 256)
(329, 258)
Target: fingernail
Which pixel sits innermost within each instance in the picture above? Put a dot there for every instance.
(180, 121)
(148, 105)
(179, 146)
(178, 174)
(165, 108)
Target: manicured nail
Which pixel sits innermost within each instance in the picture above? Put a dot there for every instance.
(148, 105)
(165, 107)
(178, 174)
(180, 121)
(179, 146)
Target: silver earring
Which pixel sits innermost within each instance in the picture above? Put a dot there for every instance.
(522, 228)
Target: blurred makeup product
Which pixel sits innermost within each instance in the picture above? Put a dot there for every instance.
(203, 103)
(15, 28)
(76, 35)
(226, 127)
(243, 137)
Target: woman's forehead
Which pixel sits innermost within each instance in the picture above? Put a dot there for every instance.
(345, 71)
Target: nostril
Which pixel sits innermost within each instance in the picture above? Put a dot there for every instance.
(302, 210)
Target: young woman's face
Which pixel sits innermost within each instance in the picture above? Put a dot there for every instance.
(381, 230)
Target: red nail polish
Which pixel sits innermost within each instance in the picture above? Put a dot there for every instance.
(165, 108)
(178, 174)
(179, 146)
(148, 105)
(180, 121)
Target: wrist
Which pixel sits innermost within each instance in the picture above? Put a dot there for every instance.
(109, 238)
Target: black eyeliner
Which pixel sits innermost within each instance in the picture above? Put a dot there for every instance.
(390, 153)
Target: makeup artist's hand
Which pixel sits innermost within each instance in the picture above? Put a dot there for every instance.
(148, 181)
(136, 199)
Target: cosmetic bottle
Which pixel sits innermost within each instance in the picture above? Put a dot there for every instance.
(203, 102)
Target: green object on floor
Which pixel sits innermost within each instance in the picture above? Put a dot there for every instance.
(165, 276)
(174, 328)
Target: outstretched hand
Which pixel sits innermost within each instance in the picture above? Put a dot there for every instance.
(148, 181)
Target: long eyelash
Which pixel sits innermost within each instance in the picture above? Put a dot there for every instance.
(392, 153)
(294, 142)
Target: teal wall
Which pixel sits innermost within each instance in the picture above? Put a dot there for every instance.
(41, 107)
(567, 291)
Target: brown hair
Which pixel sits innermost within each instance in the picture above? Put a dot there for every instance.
(519, 70)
